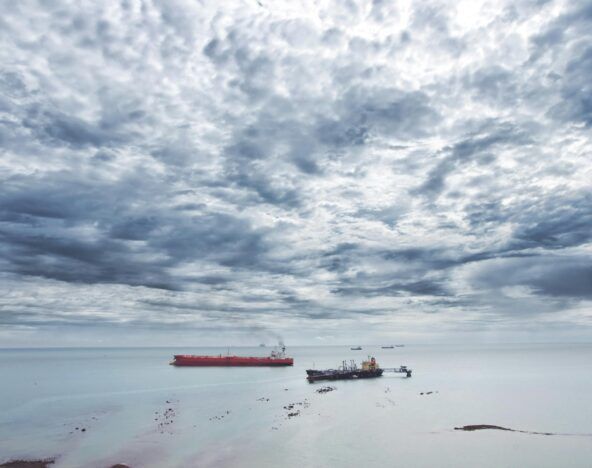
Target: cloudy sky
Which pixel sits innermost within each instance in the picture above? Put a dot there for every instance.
(205, 172)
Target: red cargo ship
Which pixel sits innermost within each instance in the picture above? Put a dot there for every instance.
(277, 358)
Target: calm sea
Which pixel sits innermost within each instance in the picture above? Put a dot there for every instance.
(136, 409)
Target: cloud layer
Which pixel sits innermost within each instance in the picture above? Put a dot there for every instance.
(359, 169)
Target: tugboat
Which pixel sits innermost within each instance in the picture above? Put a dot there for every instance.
(276, 358)
(369, 369)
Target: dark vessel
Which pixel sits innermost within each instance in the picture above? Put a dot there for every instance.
(356, 348)
(388, 347)
(346, 371)
(369, 369)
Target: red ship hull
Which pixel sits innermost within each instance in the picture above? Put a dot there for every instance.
(229, 361)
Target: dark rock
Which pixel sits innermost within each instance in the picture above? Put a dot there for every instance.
(326, 389)
(480, 427)
(28, 463)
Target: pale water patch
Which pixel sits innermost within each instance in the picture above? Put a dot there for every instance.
(137, 409)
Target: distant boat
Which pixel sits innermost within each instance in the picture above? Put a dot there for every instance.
(262, 345)
(356, 348)
(388, 347)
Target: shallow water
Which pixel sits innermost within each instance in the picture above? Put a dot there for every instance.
(222, 416)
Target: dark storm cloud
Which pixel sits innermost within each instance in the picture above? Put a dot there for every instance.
(416, 288)
(379, 111)
(477, 149)
(253, 178)
(575, 19)
(564, 277)
(59, 128)
(77, 230)
(555, 223)
(66, 258)
(495, 84)
(569, 35)
(576, 91)
(42, 319)
(571, 281)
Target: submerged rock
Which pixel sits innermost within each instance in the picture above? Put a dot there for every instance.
(326, 389)
(28, 463)
(480, 427)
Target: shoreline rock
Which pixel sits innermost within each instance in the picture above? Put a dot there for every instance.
(481, 427)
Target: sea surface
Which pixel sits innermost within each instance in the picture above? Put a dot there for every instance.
(136, 409)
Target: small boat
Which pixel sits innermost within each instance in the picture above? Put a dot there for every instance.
(388, 347)
(356, 348)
